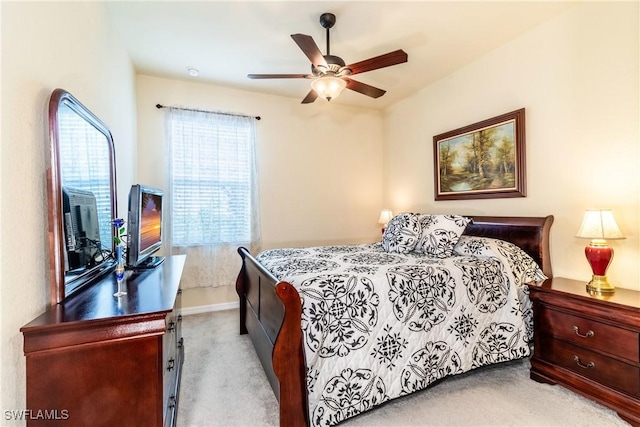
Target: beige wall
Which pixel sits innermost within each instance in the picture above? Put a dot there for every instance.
(319, 165)
(577, 77)
(46, 46)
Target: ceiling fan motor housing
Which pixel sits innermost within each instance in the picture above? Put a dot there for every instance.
(335, 65)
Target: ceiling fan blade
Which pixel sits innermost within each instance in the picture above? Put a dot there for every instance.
(310, 48)
(311, 96)
(279, 76)
(364, 88)
(388, 59)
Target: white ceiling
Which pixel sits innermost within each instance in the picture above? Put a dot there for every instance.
(226, 40)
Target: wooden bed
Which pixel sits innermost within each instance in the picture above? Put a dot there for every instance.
(270, 310)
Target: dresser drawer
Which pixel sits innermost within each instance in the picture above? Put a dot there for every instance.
(595, 366)
(589, 333)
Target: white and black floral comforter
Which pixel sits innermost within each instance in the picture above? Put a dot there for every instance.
(380, 325)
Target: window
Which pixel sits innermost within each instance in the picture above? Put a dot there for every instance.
(213, 191)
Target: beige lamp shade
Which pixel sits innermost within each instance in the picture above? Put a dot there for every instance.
(385, 216)
(599, 224)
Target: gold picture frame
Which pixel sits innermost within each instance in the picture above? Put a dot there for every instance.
(485, 160)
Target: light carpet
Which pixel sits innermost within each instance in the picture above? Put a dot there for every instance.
(223, 384)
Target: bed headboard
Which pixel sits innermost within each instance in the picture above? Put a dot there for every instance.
(529, 233)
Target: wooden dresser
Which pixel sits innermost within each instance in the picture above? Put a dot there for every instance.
(588, 344)
(98, 360)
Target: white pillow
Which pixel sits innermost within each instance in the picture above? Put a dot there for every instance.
(401, 234)
(439, 234)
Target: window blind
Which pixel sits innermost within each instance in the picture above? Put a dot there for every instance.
(212, 173)
(85, 162)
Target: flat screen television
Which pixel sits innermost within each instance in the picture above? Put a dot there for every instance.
(144, 236)
(81, 229)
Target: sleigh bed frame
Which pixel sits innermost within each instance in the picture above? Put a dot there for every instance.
(271, 311)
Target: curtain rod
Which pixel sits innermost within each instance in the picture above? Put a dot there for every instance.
(206, 111)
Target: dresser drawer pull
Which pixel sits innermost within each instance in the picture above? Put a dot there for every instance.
(589, 333)
(587, 366)
(171, 327)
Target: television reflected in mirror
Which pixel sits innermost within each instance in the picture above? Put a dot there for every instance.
(81, 196)
(144, 235)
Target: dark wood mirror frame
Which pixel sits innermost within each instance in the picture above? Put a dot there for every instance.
(62, 282)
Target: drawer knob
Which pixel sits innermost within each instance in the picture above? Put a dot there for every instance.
(589, 333)
(587, 366)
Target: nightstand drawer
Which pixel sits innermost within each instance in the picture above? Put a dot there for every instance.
(595, 366)
(590, 334)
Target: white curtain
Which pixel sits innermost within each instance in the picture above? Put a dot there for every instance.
(213, 193)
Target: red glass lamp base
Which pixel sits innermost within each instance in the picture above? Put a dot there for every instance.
(599, 255)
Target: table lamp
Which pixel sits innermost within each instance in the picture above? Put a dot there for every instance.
(385, 217)
(599, 225)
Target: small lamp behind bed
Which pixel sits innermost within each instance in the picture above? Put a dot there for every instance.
(385, 217)
(599, 226)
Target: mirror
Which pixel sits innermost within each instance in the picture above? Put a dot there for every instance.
(81, 196)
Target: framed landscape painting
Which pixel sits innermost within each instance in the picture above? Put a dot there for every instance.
(483, 160)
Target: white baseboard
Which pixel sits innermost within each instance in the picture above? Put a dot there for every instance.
(187, 311)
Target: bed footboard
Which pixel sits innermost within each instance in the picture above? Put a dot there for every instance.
(271, 313)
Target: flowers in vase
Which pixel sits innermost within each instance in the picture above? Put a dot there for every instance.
(118, 223)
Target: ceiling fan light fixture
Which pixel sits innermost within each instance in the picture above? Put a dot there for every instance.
(328, 86)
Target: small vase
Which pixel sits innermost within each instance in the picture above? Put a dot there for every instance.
(119, 273)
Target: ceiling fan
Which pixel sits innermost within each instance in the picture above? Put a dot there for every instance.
(329, 73)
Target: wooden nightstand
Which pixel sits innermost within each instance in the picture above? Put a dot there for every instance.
(588, 344)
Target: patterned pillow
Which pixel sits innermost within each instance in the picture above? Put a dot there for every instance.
(478, 246)
(401, 234)
(439, 234)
